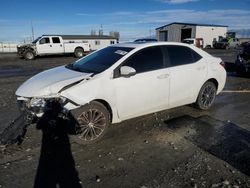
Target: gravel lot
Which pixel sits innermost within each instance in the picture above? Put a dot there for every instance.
(182, 147)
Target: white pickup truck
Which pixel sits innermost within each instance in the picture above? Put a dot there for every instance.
(52, 44)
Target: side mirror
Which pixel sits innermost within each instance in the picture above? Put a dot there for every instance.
(127, 71)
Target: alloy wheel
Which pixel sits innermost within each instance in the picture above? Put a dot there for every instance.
(208, 96)
(92, 123)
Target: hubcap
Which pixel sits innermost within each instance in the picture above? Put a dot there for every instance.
(29, 55)
(208, 96)
(80, 54)
(92, 124)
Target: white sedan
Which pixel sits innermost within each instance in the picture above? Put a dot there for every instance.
(124, 81)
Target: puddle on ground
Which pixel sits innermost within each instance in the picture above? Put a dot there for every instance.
(226, 141)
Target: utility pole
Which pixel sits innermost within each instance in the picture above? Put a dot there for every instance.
(32, 30)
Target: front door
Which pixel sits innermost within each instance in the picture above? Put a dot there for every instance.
(148, 90)
(44, 46)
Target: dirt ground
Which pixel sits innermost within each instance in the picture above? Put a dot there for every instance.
(182, 147)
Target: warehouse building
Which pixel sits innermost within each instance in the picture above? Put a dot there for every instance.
(176, 32)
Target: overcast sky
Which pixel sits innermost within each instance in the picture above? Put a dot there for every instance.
(132, 18)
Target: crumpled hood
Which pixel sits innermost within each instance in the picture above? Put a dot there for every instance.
(25, 45)
(50, 82)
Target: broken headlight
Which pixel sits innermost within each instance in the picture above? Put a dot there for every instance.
(36, 102)
(37, 105)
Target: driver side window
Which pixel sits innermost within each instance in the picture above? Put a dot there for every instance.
(44, 40)
(148, 59)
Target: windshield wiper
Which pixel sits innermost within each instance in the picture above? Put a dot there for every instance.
(71, 67)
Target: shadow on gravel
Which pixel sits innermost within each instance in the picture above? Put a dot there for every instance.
(226, 141)
(56, 164)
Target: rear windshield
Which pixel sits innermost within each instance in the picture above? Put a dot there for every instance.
(100, 60)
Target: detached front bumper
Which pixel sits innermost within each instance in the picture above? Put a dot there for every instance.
(20, 51)
(36, 107)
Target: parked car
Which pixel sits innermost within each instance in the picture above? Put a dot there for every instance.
(243, 60)
(50, 45)
(124, 81)
(198, 42)
(227, 43)
(145, 40)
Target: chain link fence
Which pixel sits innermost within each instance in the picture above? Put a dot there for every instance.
(8, 47)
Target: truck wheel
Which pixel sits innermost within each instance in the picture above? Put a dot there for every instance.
(79, 52)
(93, 120)
(206, 96)
(29, 55)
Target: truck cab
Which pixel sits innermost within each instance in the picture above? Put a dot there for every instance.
(49, 45)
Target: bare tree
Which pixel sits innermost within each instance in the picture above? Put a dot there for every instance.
(115, 34)
(92, 32)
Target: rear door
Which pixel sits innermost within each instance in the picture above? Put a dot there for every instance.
(188, 71)
(57, 45)
(148, 90)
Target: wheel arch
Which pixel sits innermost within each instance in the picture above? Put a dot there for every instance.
(79, 47)
(107, 106)
(30, 49)
(213, 80)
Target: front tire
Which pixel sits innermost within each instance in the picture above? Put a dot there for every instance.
(93, 120)
(79, 52)
(206, 96)
(29, 55)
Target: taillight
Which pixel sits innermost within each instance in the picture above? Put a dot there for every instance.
(222, 64)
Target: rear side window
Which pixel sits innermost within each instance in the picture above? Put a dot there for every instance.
(147, 59)
(55, 40)
(181, 55)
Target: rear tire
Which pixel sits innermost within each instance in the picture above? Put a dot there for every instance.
(206, 96)
(93, 120)
(29, 55)
(79, 52)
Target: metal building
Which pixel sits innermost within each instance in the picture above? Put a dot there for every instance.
(176, 32)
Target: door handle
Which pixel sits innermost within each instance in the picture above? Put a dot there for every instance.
(163, 76)
(60, 45)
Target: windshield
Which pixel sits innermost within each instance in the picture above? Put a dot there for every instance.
(36, 40)
(100, 60)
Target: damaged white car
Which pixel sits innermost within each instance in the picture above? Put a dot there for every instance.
(124, 81)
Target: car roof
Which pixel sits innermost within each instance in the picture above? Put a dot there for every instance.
(138, 46)
(147, 44)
